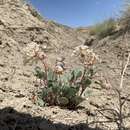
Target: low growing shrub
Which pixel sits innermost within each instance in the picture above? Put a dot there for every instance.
(103, 29)
(34, 12)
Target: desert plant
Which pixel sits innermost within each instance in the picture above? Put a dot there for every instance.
(67, 90)
(103, 29)
(60, 88)
(33, 11)
(125, 18)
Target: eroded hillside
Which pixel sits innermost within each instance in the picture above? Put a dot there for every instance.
(20, 25)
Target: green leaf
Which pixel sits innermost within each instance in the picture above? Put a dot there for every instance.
(40, 102)
(69, 92)
(77, 87)
(56, 88)
(91, 72)
(78, 74)
(72, 77)
(39, 73)
(50, 74)
(50, 83)
(87, 82)
(45, 92)
(78, 100)
(63, 101)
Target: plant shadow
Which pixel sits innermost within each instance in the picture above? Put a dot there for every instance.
(11, 119)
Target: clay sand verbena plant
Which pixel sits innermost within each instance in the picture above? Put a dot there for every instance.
(60, 86)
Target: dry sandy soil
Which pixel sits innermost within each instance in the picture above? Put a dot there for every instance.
(20, 24)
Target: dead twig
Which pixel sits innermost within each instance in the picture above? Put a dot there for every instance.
(123, 72)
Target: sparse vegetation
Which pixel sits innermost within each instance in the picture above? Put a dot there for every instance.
(117, 114)
(66, 90)
(125, 19)
(35, 13)
(104, 29)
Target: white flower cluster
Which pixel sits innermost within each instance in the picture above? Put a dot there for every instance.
(33, 50)
(86, 55)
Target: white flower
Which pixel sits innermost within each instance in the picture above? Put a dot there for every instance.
(79, 49)
(86, 55)
(31, 49)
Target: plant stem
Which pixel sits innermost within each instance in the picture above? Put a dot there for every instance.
(82, 86)
(123, 72)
